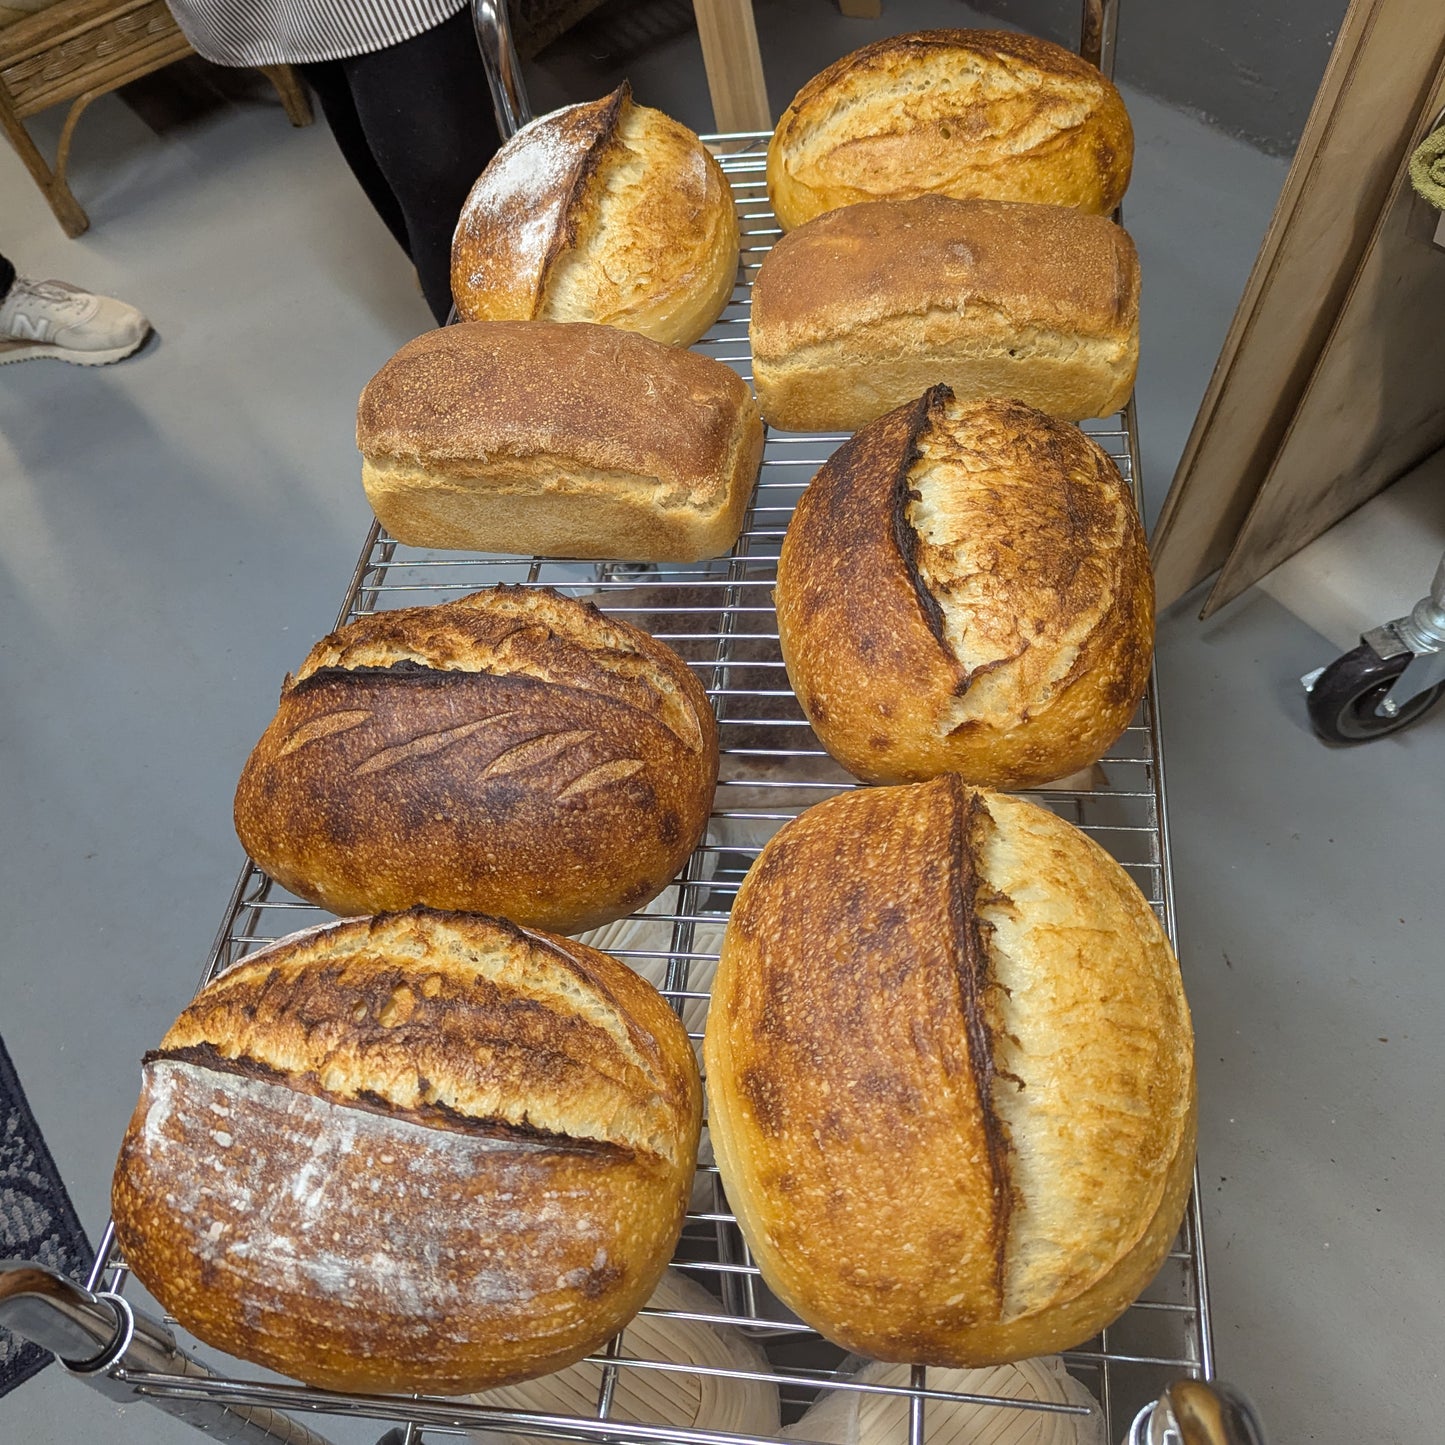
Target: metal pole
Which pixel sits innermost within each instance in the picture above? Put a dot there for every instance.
(493, 25)
(95, 1334)
(1098, 32)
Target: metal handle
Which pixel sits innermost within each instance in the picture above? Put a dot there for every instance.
(493, 24)
(1197, 1412)
(94, 1335)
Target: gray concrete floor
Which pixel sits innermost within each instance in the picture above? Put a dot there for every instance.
(175, 531)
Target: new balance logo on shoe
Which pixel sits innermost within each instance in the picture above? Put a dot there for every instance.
(26, 328)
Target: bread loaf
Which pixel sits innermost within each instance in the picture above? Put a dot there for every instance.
(862, 309)
(565, 440)
(950, 1076)
(605, 211)
(852, 1417)
(966, 588)
(514, 752)
(962, 113)
(426, 1152)
(716, 1393)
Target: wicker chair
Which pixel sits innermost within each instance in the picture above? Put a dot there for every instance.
(79, 50)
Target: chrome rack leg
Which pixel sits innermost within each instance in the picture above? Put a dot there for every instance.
(95, 1334)
(493, 25)
(1097, 32)
(1197, 1412)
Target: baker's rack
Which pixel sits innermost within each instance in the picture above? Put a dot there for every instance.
(1145, 1370)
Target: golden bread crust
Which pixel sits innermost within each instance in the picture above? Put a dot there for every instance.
(513, 752)
(963, 113)
(559, 439)
(334, 1169)
(857, 311)
(955, 1122)
(606, 211)
(966, 588)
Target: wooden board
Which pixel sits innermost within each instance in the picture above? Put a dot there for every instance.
(734, 65)
(1368, 104)
(1375, 405)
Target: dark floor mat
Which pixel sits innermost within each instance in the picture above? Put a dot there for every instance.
(37, 1219)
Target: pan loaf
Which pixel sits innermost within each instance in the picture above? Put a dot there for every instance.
(423, 1152)
(862, 309)
(966, 588)
(514, 752)
(964, 113)
(605, 211)
(950, 1076)
(559, 439)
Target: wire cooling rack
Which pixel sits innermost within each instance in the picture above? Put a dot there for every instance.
(719, 616)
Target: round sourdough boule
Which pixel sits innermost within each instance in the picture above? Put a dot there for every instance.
(514, 752)
(966, 588)
(605, 211)
(985, 114)
(421, 1152)
(950, 1076)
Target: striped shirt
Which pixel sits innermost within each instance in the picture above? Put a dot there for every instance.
(297, 32)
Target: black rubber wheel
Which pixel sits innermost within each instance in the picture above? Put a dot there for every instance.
(1343, 700)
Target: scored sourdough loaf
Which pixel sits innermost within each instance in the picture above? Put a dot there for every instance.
(605, 211)
(514, 752)
(950, 1076)
(860, 310)
(559, 439)
(961, 113)
(422, 1152)
(966, 588)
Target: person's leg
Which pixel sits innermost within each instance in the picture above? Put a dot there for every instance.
(328, 80)
(7, 276)
(426, 110)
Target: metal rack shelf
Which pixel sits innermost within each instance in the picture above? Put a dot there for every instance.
(719, 616)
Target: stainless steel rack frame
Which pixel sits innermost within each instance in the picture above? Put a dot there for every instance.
(719, 616)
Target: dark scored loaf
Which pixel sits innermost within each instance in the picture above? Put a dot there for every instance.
(965, 587)
(423, 1152)
(514, 752)
(950, 1076)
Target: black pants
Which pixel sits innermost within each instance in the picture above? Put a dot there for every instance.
(414, 122)
(7, 277)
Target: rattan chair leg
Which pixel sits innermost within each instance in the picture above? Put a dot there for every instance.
(67, 209)
(295, 98)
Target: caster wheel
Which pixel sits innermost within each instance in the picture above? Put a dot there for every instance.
(1343, 700)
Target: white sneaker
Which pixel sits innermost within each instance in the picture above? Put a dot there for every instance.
(56, 319)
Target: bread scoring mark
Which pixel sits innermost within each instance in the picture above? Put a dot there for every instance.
(547, 1019)
(524, 1136)
(1023, 531)
(521, 214)
(323, 727)
(421, 746)
(974, 976)
(600, 777)
(905, 537)
(532, 752)
(527, 633)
